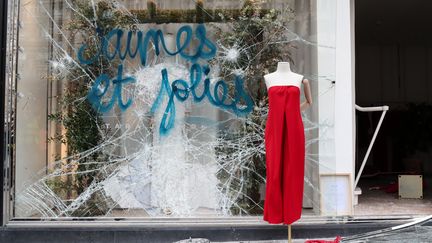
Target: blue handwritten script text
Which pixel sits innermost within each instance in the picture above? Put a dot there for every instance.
(111, 48)
(180, 89)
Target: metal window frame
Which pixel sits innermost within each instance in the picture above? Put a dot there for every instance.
(3, 50)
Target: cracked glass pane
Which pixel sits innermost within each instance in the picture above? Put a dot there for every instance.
(158, 108)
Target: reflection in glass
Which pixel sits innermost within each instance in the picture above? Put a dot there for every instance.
(150, 110)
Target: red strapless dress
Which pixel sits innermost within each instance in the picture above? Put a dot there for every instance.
(285, 156)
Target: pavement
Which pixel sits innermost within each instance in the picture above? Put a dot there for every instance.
(261, 241)
(273, 241)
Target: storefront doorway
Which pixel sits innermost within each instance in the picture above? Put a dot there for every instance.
(394, 68)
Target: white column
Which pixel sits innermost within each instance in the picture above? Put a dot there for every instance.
(326, 55)
(345, 93)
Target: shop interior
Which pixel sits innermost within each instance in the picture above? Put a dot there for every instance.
(393, 61)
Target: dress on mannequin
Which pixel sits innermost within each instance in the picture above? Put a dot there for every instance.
(285, 150)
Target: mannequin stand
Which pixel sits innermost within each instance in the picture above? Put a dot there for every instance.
(289, 233)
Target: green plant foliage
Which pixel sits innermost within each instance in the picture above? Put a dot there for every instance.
(84, 126)
(254, 34)
(251, 27)
(199, 8)
(197, 15)
(151, 9)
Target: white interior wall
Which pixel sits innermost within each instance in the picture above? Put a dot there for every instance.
(345, 97)
(31, 114)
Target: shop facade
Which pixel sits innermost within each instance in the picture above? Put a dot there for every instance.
(95, 131)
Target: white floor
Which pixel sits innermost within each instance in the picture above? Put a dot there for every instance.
(378, 202)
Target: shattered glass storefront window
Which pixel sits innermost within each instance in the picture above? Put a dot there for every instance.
(132, 109)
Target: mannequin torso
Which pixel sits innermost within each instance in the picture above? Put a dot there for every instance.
(283, 76)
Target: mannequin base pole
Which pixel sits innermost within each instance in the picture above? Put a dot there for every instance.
(289, 233)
